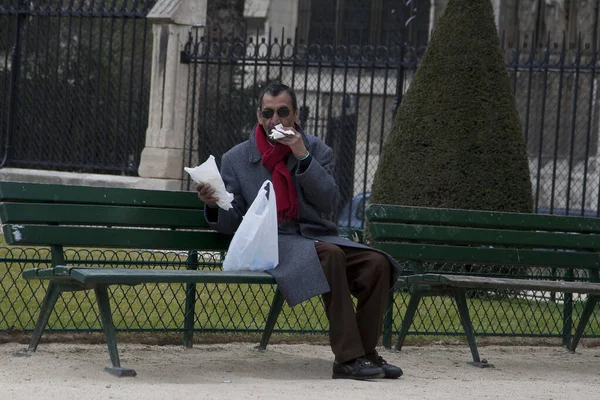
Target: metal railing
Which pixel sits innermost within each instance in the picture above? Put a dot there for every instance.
(74, 85)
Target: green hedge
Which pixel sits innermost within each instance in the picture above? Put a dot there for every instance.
(457, 140)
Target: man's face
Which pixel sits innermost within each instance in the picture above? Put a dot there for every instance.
(274, 105)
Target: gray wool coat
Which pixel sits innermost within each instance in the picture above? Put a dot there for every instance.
(299, 273)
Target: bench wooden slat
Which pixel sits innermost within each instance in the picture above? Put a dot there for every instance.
(134, 276)
(115, 237)
(479, 236)
(484, 219)
(65, 214)
(48, 273)
(493, 283)
(31, 273)
(130, 276)
(486, 255)
(38, 192)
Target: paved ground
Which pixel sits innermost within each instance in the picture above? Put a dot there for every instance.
(294, 371)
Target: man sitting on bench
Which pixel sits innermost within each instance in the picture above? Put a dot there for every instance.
(313, 259)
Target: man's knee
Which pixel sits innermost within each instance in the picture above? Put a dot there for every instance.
(380, 268)
(330, 254)
(379, 262)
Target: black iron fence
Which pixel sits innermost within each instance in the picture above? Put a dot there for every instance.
(348, 96)
(556, 88)
(74, 84)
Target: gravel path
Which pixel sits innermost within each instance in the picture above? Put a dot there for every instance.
(294, 371)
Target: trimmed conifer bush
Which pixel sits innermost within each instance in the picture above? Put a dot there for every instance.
(457, 140)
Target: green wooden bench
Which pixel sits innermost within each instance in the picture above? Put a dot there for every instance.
(422, 237)
(92, 217)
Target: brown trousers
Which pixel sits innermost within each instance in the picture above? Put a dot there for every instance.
(366, 275)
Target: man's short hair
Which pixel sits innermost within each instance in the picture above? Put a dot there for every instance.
(275, 89)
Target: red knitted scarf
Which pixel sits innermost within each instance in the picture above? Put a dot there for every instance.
(273, 158)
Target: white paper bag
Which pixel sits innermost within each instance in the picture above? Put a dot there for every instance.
(207, 172)
(254, 245)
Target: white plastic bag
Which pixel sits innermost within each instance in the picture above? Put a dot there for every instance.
(254, 244)
(207, 172)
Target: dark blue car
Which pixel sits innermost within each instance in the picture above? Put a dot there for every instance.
(353, 213)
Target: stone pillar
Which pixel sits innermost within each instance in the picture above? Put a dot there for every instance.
(163, 154)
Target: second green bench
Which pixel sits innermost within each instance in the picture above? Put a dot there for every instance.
(425, 237)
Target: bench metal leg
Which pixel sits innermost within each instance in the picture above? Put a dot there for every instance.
(109, 333)
(388, 320)
(567, 318)
(587, 312)
(54, 290)
(276, 307)
(190, 302)
(465, 319)
(190, 313)
(411, 309)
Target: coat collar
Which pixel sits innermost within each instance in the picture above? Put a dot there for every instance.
(253, 153)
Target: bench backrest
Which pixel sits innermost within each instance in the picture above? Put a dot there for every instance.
(484, 237)
(42, 214)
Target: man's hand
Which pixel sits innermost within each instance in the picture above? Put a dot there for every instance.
(295, 142)
(206, 194)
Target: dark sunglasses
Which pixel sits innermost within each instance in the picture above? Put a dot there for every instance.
(267, 113)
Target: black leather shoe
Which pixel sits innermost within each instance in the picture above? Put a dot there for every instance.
(360, 368)
(390, 371)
